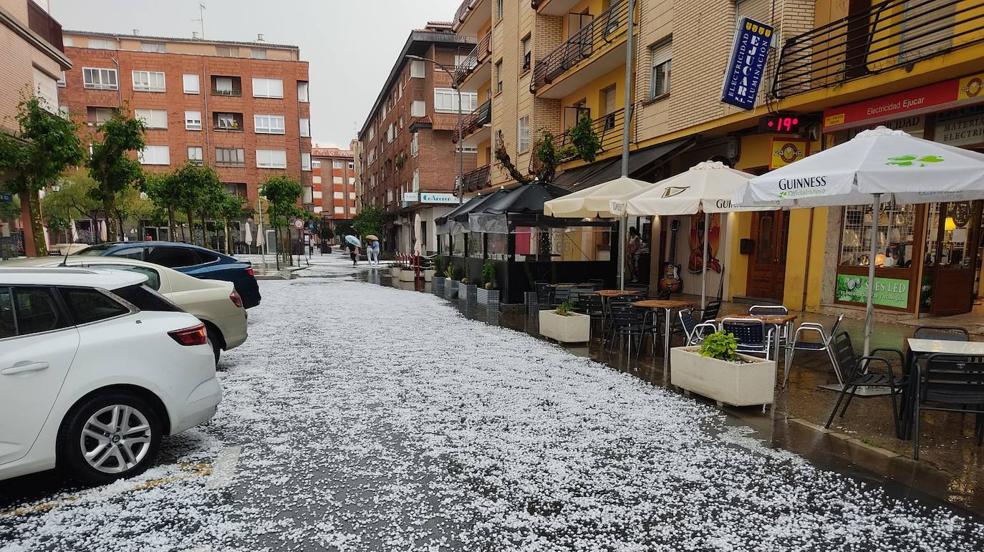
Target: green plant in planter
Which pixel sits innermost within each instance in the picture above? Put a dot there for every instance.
(449, 271)
(438, 264)
(720, 345)
(488, 275)
(465, 281)
(565, 308)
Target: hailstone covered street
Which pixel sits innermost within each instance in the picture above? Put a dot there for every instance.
(361, 417)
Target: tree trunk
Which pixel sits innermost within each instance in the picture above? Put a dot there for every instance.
(191, 226)
(170, 225)
(119, 218)
(276, 237)
(34, 243)
(228, 240)
(109, 208)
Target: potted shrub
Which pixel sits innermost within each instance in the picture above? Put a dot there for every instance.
(437, 275)
(564, 325)
(450, 284)
(487, 293)
(463, 288)
(713, 369)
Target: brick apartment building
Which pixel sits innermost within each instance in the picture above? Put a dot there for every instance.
(334, 192)
(31, 61)
(406, 146)
(240, 107)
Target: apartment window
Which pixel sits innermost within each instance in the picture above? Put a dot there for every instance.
(416, 180)
(351, 195)
(258, 53)
(414, 145)
(524, 134)
(68, 41)
(338, 195)
(190, 82)
(268, 88)
(152, 118)
(303, 91)
(193, 120)
(337, 180)
(195, 155)
(446, 101)
(390, 134)
(227, 86)
(305, 161)
(99, 79)
(155, 155)
(237, 189)
(271, 159)
(227, 51)
(234, 157)
(96, 116)
(336, 164)
(660, 58)
(467, 149)
(498, 76)
(268, 124)
(305, 125)
(153, 47)
(61, 82)
(46, 89)
(101, 44)
(148, 81)
(339, 210)
(228, 121)
(417, 109)
(527, 49)
(416, 69)
(351, 165)
(499, 10)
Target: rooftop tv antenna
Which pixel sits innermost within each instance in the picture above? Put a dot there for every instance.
(201, 18)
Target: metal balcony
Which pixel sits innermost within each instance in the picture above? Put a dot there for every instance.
(888, 35)
(477, 179)
(476, 120)
(608, 129)
(479, 55)
(591, 40)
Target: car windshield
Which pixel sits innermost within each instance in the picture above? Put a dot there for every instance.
(94, 250)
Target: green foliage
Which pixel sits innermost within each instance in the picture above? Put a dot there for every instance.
(111, 165)
(282, 192)
(502, 156)
(449, 271)
(585, 141)
(720, 345)
(546, 157)
(73, 198)
(565, 308)
(488, 274)
(368, 221)
(438, 263)
(46, 145)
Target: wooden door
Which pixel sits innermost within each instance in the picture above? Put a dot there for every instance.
(956, 261)
(767, 264)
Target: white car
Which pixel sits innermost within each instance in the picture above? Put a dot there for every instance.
(95, 367)
(214, 302)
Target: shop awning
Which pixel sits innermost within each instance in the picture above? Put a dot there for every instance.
(525, 201)
(457, 220)
(442, 222)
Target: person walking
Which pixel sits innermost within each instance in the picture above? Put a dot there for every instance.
(353, 253)
(633, 249)
(373, 252)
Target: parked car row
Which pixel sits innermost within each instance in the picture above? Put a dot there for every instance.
(102, 354)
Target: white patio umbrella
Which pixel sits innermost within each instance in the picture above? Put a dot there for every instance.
(708, 187)
(875, 166)
(248, 234)
(595, 202)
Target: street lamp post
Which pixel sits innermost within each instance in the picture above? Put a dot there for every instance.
(459, 189)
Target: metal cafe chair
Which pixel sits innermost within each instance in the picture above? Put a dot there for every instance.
(859, 373)
(751, 334)
(948, 383)
(628, 323)
(942, 333)
(822, 344)
(710, 312)
(772, 310)
(694, 330)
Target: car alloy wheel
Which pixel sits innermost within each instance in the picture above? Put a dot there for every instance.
(115, 439)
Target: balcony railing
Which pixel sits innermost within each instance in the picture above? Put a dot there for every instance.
(44, 25)
(604, 29)
(886, 36)
(477, 179)
(608, 129)
(476, 119)
(478, 55)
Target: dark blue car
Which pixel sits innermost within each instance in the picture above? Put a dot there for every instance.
(189, 259)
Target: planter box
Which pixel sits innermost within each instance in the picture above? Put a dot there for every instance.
(574, 328)
(395, 271)
(751, 383)
(467, 292)
(462, 290)
(429, 274)
(487, 296)
(407, 275)
(451, 289)
(438, 286)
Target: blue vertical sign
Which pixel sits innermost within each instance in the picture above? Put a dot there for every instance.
(747, 64)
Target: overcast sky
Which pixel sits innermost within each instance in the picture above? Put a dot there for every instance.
(350, 45)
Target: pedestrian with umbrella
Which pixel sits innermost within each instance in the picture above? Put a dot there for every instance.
(353, 245)
(372, 250)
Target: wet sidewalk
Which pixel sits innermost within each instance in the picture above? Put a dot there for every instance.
(862, 444)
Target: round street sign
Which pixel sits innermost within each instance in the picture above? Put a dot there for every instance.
(298, 224)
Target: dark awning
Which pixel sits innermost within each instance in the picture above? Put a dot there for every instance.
(527, 199)
(461, 215)
(610, 169)
(443, 220)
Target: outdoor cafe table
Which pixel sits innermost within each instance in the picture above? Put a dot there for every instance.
(921, 347)
(668, 306)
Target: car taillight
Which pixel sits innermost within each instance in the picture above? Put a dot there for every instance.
(236, 299)
(249, 270)
(195, 335)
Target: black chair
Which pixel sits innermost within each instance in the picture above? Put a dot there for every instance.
(544, 293)
(628, 324)
(596, 283)
(772, 310)
(561, 294)
(710, 312)
(751, 334)
(857, 372)
(948, 383)
(941, 333)
(694, 330)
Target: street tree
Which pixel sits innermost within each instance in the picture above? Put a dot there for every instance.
(282, 193)
(73, 199)
(369, 220)
(231, 209)
(112, 166)
(194, 183)
(163, 191)
(46, 144)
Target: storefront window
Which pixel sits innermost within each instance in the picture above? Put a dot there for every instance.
(573, 243)
(458, 245)
(947, 234)
(895, 224)
(497, 246)
(475, 249)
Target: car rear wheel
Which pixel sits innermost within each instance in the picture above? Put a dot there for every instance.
(110, 436)
(213, 342)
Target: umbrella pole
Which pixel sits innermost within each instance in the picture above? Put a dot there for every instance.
(869, 318)
(703, 275)
(621, 251)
